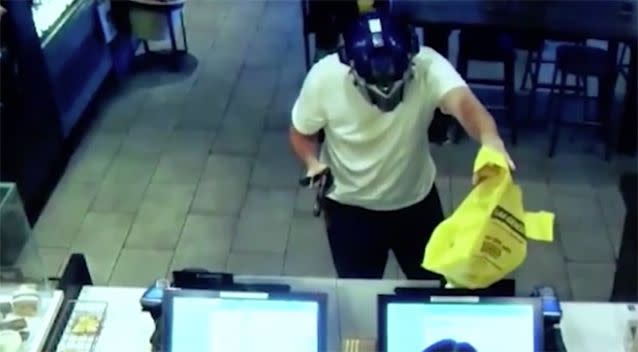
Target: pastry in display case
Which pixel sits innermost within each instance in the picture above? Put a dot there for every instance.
(47, 13)
(28, 304)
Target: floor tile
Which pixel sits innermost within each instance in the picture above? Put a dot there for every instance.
(221, 167)
(61, 218)
(581, 229)
(568, 175)
(265, 53)
(591, 281)
(531, 162)
(140, 268)
(58, 228)
(131, 169)
(444, 188)
(255, 88)
(536, 196)
(276, 173)
(162, 197)
(275, 145)
(101, 239)
(158, 117)
(279, 203)
(54, 260)
(144, 143)
(223, 197)
(207, 234)
(156, 229)
(88, 169)
(191, 144)
(460, 188)
(459, 157)
(305, 201)
(313, 264)
(544, 265)
(119, 112)
(264, 222)
(179, 169)
(99, 262)
(102, 230)
(260, 232)
(123, 197)
(243, 117)
(255, 263)
(279, 114)
(237, 141)
(91, 160)
(307, 235)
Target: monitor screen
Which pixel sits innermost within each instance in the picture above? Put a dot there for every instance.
(238, 324)
(460, 326)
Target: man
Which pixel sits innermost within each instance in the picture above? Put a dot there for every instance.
(375, 100)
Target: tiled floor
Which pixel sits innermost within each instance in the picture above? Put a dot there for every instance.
(195, 170)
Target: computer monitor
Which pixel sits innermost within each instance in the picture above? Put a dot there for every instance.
(462, 324)
(202, 320)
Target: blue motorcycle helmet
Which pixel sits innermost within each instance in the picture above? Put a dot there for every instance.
(379, 51)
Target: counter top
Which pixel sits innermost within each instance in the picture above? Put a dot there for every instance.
(352, 314)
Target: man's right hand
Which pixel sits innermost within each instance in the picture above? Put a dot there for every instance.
(315, 175)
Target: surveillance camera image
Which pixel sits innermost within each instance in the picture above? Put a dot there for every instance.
(459, 327)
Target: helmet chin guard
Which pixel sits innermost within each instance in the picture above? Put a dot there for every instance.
(385, 97)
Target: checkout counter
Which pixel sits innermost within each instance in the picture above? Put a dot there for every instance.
(351, 315)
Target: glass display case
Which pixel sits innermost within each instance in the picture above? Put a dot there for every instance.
(47, 13)
(27, 302)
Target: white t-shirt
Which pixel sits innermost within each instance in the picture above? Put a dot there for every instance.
(380, 161)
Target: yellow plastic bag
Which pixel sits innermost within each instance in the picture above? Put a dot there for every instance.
(486, 237)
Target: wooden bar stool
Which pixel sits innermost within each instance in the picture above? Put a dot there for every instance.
(581, 61)
(155, 19)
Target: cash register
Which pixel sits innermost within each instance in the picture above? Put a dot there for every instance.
(202, 311)
(459, 323)
(442, 320)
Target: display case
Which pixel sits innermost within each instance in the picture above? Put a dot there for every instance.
(28, 305)
(48, 13)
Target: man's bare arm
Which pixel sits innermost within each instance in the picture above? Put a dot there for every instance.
(306, 147)
(469, 111)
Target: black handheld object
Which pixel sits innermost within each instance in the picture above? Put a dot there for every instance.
(325, 180)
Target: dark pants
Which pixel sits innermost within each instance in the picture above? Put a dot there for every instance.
(360, 239)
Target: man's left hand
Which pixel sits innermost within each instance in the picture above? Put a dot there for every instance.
(495, 143)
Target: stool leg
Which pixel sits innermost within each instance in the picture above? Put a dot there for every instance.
(145, 45)
(171, 32)
(534, 85)
(558, 117)
(528, 70)
(510, 98)
(605, 85)
(550, 100)
(181, 14)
